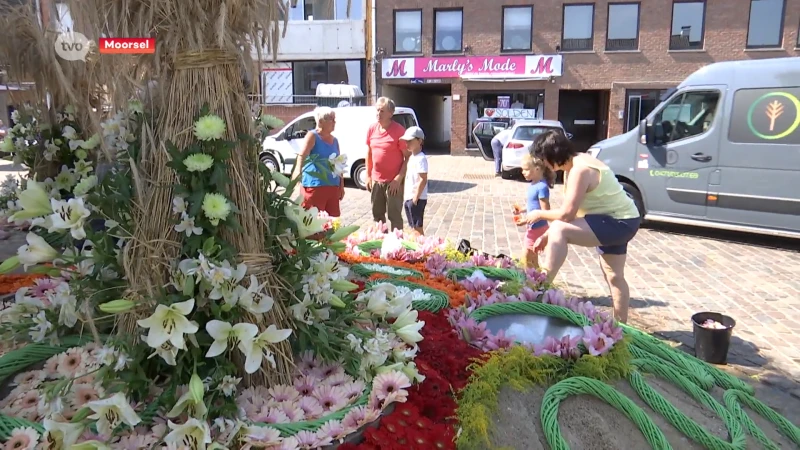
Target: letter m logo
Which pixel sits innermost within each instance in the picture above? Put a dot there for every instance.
(544, 66)
(398, 68)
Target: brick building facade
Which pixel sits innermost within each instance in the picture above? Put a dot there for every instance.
(617, 58)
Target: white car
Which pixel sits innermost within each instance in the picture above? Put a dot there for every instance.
(523, 133)
(279, 151)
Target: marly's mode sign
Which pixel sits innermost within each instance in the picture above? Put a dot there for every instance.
(474, 67)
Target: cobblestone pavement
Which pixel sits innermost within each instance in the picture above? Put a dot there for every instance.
(673, 272)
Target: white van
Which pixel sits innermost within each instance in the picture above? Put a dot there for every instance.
(279, 151)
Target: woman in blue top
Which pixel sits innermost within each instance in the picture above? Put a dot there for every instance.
(322, 188)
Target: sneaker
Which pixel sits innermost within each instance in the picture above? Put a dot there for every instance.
(498, 175)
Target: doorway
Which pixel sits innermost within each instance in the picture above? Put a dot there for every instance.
(639, 103)
(483, 105)
(584, 113)
(432, 103)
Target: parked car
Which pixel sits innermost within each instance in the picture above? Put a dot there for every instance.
(279, 151)
(523, 134)
(721, 151)
(483, 133)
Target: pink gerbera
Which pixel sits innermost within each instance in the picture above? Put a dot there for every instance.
(282, 393)
(307, 439)
(51, 366)
(332, 430)
(269, 414)
(390, 382)
(305, 385)
(307, 363)
(338, 379)
(331, 398)
(71, 362)
(310, 406)
(292, 411)
(22, 439)
(31, 379)
(85, 393)
(42, 285)
(135, 441)
(353, 389)
(359, 416)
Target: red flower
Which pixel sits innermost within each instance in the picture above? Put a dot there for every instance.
(376, 435)
(407, 411)
(361, 286)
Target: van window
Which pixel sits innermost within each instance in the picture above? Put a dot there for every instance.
(686, 115)
(528, 133)
(405, 119)
(303, 125)
(766, 116)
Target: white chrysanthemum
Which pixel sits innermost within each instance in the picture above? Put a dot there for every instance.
(209, 127)
(199, 162)
(85, 185)
(93, 142)
(216, 208)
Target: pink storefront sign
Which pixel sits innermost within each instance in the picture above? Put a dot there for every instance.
(474, 67)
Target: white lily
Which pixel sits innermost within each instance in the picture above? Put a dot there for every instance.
(253, 299)
(338, 164)
(34, 202)
(70, 215)
(307, 221)
(257, 349)
(61, 434)
(187, 226)
(169, 323)
(222, 332)
(194, 435)
(37, 251)
(167, 352)
(111, 412)
(406, 327)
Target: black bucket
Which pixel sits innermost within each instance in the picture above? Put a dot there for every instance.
(711, 345)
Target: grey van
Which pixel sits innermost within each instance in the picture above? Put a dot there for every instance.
(722, 150)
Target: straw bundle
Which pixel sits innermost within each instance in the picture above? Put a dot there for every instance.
(203, 47)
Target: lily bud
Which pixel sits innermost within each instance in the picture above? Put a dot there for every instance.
(281, 179)
(9, 264)
(116, 306)
(343, 286)
(343, 232)
(196, 388)
(81, 414)
(337, 247)
(336, 302)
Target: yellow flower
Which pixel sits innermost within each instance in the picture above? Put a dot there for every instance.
(209, 127)
(216, 208)
(199, 162)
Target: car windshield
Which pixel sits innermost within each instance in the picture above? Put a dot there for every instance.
(529, 132)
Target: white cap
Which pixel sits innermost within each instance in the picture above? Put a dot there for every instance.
(413, 133)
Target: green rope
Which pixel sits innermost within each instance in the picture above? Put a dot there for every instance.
(701, 378)
(542, 309)
(733, 398)
(364, 271)
(8, 424)
(494, 273)
(439, 300)
(16, 360)
(686, 361)
(677, 418)
(582, 385)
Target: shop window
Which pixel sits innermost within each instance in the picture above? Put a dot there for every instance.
(686, 115)
(318, 9)
(517, 28)
(307, 75)
(623, 27)
(765, 28)
(408, 31)
(324, 10)
(578, 28)
(688, 20)
(448, 30)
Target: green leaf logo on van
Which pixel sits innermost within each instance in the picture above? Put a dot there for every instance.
(770, 112)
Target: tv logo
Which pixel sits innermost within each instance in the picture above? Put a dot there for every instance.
(73, 46)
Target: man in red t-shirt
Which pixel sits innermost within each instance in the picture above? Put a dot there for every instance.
(387, 160)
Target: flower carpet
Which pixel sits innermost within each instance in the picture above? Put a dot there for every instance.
(330, 336)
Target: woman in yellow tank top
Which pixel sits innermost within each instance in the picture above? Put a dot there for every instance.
(596, 213)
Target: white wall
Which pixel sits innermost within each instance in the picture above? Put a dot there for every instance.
(322, 40)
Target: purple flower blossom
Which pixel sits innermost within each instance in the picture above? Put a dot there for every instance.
(596, 342)
(498, 341)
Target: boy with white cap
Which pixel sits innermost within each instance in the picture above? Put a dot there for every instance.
(416, 184)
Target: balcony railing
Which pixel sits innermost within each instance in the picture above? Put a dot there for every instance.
(682, 42)
(574, 45)
(622, 44)
(288, 100)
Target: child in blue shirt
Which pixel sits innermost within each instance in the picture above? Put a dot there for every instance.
(538, 198)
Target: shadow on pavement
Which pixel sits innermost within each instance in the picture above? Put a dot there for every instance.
(727, 236)
(741, 352)
(636, 303)
(444, 186)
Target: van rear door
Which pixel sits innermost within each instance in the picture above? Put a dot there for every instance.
(759, 162)
(675, 166)
(405, 119)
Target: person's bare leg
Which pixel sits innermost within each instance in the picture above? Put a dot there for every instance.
(614, 272)
(559, 236)
(531, 259)
(420, 231)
